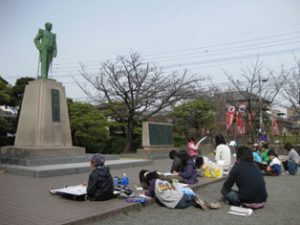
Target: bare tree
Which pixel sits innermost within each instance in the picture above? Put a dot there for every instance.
(291, 91)
(142, 88)
(257, 87)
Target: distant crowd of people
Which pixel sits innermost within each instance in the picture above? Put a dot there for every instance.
(270, 164)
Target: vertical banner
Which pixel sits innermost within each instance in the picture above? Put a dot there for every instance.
(240, 123)
(230, 116)
(251, 119)
(274, 125)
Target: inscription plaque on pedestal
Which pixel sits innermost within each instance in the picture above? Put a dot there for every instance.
(55, 105)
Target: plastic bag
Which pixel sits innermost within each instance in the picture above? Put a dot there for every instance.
(213, 170)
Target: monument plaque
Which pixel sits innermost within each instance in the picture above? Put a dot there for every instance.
(160, 134)
(55, 105)
(157, 138)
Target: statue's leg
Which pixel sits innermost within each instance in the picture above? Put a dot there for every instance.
(49, 60)
(44, 63)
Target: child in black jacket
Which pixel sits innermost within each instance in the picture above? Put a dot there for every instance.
(100, 184)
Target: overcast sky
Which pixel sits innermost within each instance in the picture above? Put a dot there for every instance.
(203, 36)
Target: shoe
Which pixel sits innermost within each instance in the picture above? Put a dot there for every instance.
(202, 203)
(52, 191)
(214, 205)
(122, 195)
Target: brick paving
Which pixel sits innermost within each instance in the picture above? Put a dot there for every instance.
(25, 200)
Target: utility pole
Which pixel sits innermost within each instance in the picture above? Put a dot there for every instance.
(261, 124)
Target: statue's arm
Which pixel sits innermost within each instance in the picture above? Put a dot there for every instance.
(37, 39)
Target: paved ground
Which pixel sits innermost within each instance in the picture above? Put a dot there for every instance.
(25, 200)
(283, 207)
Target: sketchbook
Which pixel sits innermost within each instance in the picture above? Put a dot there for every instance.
(240, 211)
(77, 190)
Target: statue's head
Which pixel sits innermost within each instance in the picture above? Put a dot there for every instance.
(48, 26)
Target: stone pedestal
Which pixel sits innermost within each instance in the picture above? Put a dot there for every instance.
(44, 127)
(42, 152)
(155, 150)
(44, 118)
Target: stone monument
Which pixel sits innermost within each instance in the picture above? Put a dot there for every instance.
(157, 138)
(43, 129)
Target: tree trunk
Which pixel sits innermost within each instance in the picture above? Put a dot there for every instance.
(129, 136)
(74, 137)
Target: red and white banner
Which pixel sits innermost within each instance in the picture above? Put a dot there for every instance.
(251, 119)
(240, 123)
(274, 125)
(230, 116)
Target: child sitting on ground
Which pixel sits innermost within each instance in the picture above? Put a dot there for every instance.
(171, 197)
(100, 184)
(201, 164)
(256, 153)
(177, 164)
(188, 173)
(274, 168)
(143, 173)
(264, 149)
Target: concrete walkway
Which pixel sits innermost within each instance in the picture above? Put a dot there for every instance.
(70, 168)
(25, 200)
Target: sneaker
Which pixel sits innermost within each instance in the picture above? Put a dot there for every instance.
(52, 191)
(214, 205)
(202, 203)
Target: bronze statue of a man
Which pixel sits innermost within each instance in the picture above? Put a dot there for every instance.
(45, 41)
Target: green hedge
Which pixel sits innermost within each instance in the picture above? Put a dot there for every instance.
(6, 140)
(116, 145)
(179, 141)
(293, 139)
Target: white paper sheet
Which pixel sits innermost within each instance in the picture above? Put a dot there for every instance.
(73, 190)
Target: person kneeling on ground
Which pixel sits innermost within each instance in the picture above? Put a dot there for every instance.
(188, 173)
(248, 178)
(172, 197)
(100, 184)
